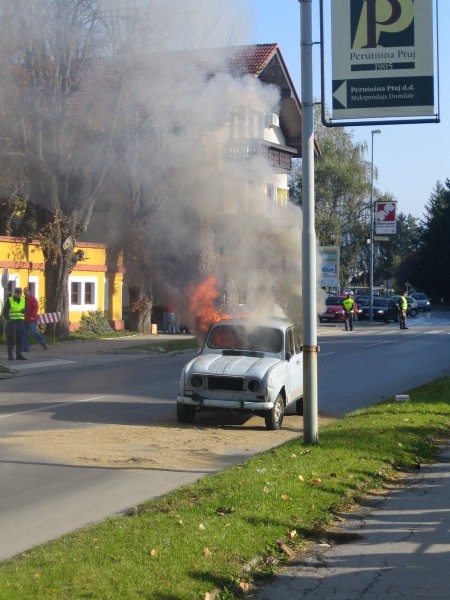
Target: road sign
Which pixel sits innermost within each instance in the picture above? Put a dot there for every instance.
(329, 265)
(382, 59)
(385, 217)
(5, 278)
(381, 238)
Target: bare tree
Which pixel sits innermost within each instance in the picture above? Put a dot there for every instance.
(60, 109)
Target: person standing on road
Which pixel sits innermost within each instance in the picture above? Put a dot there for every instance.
(402, 308)
(348, 304)
(14, 313)
(31, 321)
(169, 319)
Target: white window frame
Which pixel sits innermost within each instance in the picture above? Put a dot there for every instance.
(82, 281)
(35, 282)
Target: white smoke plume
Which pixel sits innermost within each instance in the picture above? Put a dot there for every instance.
(169, 183)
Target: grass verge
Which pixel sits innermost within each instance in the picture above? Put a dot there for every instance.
(164, 346)
(199, 538)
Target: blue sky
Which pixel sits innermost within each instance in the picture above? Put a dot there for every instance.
(410, 158)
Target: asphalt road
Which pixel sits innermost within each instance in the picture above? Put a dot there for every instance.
(373, 362)
(42, 500)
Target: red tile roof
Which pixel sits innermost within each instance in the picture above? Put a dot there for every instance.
(250, 59)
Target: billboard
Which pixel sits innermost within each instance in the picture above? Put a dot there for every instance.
(385, 218)
(382, 59)
(329, 266)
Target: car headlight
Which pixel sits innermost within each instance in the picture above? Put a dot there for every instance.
(196, 381)
(254, 386)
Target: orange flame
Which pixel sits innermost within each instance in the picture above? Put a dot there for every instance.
(202, 304)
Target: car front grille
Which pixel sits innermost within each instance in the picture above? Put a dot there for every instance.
(235, 384)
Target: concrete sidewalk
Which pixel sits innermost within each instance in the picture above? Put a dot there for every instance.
(395, 546)
(78, 353)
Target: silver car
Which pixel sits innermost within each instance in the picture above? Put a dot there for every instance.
(422, 300)
(245, 367)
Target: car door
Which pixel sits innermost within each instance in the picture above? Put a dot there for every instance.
(392, 312)
(294, 364)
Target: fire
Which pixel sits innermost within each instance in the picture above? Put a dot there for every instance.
(202, 304)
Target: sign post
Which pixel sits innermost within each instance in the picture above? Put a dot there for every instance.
(4, 281)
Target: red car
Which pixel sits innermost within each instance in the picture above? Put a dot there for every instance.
(333, 310)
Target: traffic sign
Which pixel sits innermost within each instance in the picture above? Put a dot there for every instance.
(5, 278)
(382, 60)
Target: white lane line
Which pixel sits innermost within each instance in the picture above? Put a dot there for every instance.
(376, 343)
(19, 366)
(49, 407)
(326, 354)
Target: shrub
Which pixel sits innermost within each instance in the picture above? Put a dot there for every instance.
(94, 323)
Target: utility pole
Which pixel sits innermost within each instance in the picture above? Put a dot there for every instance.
(373, 132)
(310, 348)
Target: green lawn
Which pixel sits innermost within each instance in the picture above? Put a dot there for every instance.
(200, 537)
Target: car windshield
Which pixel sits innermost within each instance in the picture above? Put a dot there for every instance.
(238, 337)
(380, 302)
(333, 301)
(420, 297)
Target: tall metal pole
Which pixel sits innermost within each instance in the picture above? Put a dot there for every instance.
(373, 132)
(310, 348)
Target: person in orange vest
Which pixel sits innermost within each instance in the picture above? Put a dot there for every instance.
(31, 321)
(14, 313)
(348, 304)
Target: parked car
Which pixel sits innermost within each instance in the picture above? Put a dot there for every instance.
(245, 367)
(383, 309)
(413, 307)
(361, 300)
(422, 300)
(333, 310)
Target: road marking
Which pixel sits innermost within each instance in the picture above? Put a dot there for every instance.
(44, 408)
(19, 366)
(376, 343)
(326, 354)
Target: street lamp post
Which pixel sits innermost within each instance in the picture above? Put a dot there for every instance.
(373, 132)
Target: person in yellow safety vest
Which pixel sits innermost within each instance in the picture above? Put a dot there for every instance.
(348, 304)
(14, 313)
(403, 307)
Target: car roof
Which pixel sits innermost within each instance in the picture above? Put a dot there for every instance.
(278, 322)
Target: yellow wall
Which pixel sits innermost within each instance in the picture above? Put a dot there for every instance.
(25, 264)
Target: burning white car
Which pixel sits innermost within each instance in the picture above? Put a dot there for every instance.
(245, 367)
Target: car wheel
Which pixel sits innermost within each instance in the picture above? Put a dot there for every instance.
(185, 413)
(413, 312)
(299, 407)
(274, 417)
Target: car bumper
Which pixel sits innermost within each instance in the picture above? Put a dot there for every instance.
(331, 318)
(230, 404)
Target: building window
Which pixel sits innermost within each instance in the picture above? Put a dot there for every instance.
(83, 293)
(89, 293)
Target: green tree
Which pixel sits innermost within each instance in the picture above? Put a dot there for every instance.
(342, 190)
(396, 257)
(432, 268)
